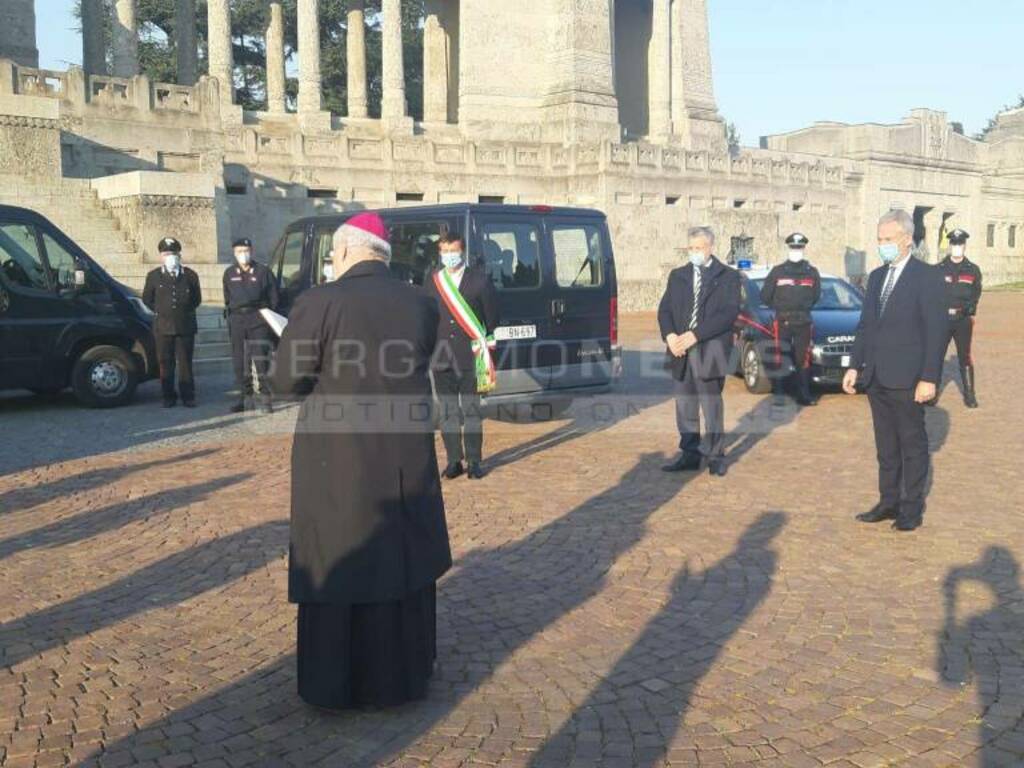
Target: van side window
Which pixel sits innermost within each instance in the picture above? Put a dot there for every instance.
(511, 254)
(20, 260)
(323, 244)
(291, 262)
(63, 267)
(414, 248)
(579, 257)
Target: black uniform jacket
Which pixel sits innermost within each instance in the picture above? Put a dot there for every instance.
(720, 300)
(174, 299)
(906, 343)
(367, 518)
(791, 290)
(454, 350)
(963, 285)
(247, 291)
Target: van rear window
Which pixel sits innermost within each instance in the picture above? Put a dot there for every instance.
(511, 254)
(579, 257)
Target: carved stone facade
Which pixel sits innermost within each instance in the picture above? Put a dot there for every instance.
(577, 102)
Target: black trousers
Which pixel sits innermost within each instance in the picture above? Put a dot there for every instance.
(961, 333)
(693, 396)
(794, 341)
(902, 445)
(252, 344)
(174, 354)
(459, 416)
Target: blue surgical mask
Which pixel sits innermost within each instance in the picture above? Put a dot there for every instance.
(888, 252)
(452, 259)
(697, 258)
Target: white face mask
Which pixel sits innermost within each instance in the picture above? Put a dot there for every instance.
(452, 259)
(172, 261)
(795, 254)
(957, 251)
(243, 258)
(697, 258)
(328, 272)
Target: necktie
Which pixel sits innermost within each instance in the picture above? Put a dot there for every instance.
(696, 296)
(890, 281)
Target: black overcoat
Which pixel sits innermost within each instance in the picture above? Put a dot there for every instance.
(367, 517)
(454, 350)
(720, 306)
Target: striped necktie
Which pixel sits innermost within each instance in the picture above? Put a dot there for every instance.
(890, 281)
(696, 296)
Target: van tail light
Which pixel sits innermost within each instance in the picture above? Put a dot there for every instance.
(613, 320)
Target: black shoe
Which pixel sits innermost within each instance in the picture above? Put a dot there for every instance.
(475, 472)
(170, 403)
(718, 467)
(238, 407)
(906, 524)
(967, 375)
(877, 515)
(807, 400)
(453, 470)
(687, 462)
(189, 403)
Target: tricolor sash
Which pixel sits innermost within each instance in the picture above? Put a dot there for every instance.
(480, 343)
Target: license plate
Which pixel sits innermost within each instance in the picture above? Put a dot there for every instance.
(845, 361)
(515, 332)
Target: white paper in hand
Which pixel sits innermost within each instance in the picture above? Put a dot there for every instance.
(276, 322)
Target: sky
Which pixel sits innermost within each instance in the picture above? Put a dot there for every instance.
(780, 65)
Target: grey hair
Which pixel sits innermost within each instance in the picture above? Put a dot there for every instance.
(706, 232)
(901, 217)
(353, 239)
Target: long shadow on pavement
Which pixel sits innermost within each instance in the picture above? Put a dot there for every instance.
(988, 650)
(35, 495)
(85, 525)
(646, 695)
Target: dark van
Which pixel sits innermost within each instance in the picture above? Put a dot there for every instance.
(64, 322)
(553, 269)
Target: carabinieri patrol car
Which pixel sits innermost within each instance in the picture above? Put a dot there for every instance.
(835, 318)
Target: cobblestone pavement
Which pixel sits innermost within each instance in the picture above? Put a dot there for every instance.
(600, 613)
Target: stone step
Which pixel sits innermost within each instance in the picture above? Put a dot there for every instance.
(213, 350)
(212, 366)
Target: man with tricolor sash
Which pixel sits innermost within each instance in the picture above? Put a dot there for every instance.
(463, 364)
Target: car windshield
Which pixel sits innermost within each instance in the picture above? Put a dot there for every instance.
(835, 294)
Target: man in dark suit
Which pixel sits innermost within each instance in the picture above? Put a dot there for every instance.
(368, 534)
(696, 317)
(453, 364)
(897, 359)
(172, 292)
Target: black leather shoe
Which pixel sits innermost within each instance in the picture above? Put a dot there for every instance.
(475, 472)
(687, 462)
(718, 467)
(453, 470)
(238, 407)
(877, 515)
(189, 403)
(807, 401)
(906, 524)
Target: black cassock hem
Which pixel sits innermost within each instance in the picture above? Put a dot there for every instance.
(367, 655)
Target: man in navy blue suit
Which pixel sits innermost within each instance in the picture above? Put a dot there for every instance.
(696, 318)
(897, 359)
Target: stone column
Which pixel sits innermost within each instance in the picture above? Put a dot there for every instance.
(678, 100)
(704, 128)
(435, 64)
(222, 64)
(94, 52)
(126, 39)
(394, 106)
(310, 87)
(659, 70)
(185, 41)
(275, 59)
(356, 59)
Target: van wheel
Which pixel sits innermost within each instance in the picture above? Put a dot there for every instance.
(754, 375)
(104, 377)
